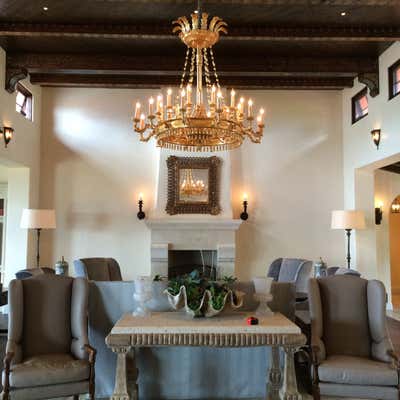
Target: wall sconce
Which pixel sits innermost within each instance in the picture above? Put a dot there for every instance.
(395, 208)
(378, 213)
(7, 133)
(244, 215)
(141, 214)
(376, 137)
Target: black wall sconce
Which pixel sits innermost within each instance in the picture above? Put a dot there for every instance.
(7, 133)
(378, 214)
(244, 215)
(141, 214)
(376, 137)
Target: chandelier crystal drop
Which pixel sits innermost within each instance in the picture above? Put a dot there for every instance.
(198, 117)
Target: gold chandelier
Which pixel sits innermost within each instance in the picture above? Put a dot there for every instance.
(208, 123)
(191, 187)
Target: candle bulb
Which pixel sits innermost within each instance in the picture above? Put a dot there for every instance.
(245, 197)
(233, 98)
(262, 114)
(169, 98)
(249, 108)
(189, 94)
(259, 120)
(219, 100)
(137, 111)
(140, 196)
(142, 121)
(159, 104)
(183, 99)
(213, 93)
(151, 102)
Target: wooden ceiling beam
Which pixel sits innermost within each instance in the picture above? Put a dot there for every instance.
(236, 33)
(146, 81)
(172, 65)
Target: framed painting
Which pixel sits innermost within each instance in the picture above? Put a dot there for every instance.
(193, 185)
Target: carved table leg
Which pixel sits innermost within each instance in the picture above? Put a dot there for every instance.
(289, 389)
(132, 374)
(274, 375)
(120, 388)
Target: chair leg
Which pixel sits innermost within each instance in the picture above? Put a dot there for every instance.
(5, 395)
(76, 396)
(315, 392)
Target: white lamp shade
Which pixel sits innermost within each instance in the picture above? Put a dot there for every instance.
(38, 219)
(348, 219)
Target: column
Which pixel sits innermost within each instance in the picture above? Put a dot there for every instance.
(289, 389)
(120, 388)
(274, 375)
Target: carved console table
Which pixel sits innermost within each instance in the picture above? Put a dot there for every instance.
(177, 329)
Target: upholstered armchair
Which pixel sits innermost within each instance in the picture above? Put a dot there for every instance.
(98, 269)
(48, 354)
(293, 270)
(352, 354)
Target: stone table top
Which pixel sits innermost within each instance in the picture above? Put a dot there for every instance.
(179, 329)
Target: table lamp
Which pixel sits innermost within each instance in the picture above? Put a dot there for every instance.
(38, 219)
(348, 220)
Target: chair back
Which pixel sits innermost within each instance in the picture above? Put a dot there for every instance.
(40, 315)
(345, 321)
(274, 268)
(98, 269)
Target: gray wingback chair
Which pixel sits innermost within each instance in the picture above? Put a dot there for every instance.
(98, 269)
(48, 353)
(293, 270)
(352, 354)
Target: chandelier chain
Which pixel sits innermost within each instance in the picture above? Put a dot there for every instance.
(214, 67)
(207, 75)
(185, 68)
(192, 66)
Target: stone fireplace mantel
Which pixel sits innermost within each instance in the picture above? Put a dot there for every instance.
(171, 223)
(193, 233)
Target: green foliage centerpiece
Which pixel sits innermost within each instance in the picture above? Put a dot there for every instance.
(202, 297)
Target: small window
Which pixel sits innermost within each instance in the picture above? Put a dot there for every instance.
(24, 102)
(394, 80)
(359, 105)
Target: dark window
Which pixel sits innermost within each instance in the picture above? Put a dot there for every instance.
(359, 105)
(24, 102)
(394, 80)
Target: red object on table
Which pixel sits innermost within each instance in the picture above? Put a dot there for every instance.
(252, 321)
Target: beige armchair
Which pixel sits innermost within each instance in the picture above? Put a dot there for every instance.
(48, 354)
(352, 354)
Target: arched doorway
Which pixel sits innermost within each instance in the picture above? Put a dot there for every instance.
(394, 238)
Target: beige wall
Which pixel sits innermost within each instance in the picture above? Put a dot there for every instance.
(93, 166)
(361, 159)
(22, 158)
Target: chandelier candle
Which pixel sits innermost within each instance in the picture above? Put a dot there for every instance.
(205, 122)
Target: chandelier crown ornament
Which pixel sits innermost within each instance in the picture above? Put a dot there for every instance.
(206, 122)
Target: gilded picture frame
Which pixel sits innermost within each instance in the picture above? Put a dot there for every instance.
(193, 185)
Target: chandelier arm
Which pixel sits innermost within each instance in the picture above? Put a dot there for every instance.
(254, 136)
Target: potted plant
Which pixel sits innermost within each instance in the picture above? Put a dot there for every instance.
(202, 297)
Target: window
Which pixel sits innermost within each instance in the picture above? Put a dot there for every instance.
(24, 102)
(359, 105)
(394, 80)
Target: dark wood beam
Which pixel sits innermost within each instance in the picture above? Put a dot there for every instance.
(395, 168)
(236, 33)
(147, 81)
(172, 65)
